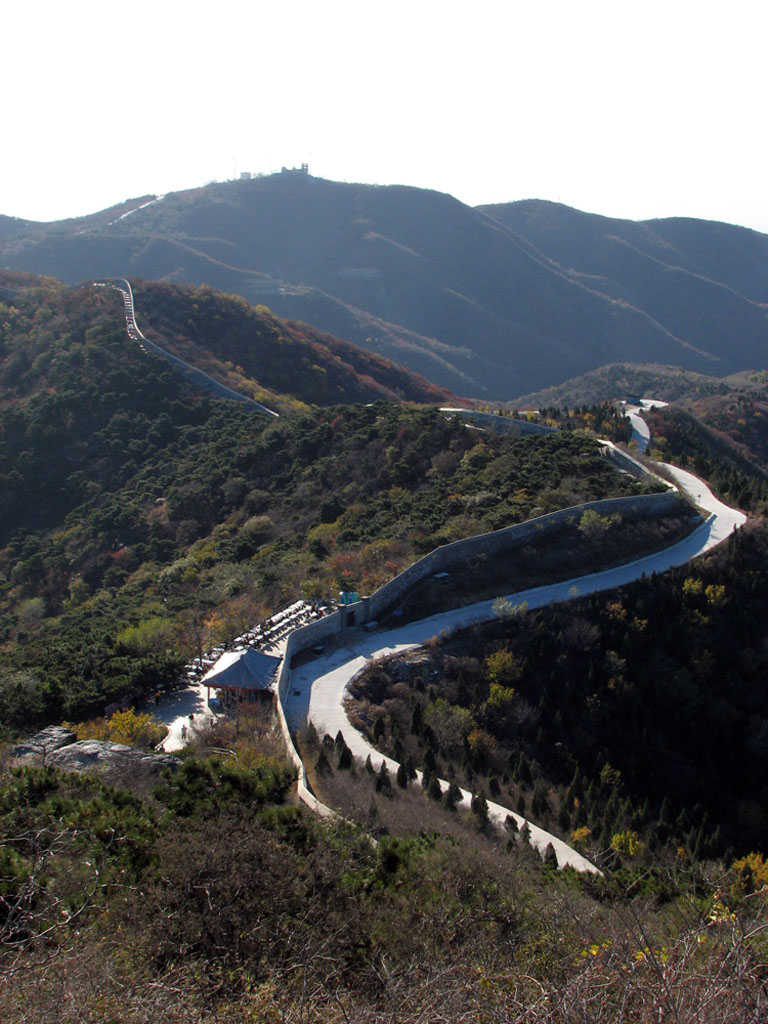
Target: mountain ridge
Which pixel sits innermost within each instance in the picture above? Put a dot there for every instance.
(490, 301)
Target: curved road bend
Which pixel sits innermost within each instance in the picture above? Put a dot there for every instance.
(317, 690)
(641, 435)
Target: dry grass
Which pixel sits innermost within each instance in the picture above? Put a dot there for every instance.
(251, 730)
(407, 812)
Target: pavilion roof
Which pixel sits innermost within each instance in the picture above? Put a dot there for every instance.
(243, 670)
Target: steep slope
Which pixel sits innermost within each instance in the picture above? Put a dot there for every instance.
(249, 349)
(128, 498)
(475, 299)
(588, 243)
(706, 282)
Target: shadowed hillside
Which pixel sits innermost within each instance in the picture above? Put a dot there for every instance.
(487, 302)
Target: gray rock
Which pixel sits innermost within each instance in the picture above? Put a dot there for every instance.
(61, 748)
(111, 758)
(45, 742)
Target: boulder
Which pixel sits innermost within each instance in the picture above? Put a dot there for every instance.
(44, 742)
(118, 763)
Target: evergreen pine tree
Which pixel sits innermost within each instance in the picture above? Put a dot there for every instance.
(479, 807)
(453, 797)
(344, 762)
(523, 771)
(563, 818)
(433, 789)
(540, 800)
(550, 857)
(383, 784)
(322, 764)
(417, 719)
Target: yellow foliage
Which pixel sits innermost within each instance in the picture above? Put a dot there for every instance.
(136, 729)
(692, 587)
(751, 873)
(616, 611)
(625, 843)
(501, 698)
(480, 740)
(132, 728)
(610, 776)
(94, 729)
(715, 594)
(503, 667)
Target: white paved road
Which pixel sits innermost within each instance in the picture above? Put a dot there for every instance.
(641, 435)
(317, 689)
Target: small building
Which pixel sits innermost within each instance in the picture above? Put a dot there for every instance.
(243, 676)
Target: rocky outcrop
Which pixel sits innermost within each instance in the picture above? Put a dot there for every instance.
(106, 755)
(44, 743)
(61, 748)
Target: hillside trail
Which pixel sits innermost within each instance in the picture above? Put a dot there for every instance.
(318, 690)
(192, 373)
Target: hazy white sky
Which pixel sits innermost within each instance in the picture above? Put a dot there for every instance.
(617, 107)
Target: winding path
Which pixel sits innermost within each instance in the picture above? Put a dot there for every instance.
(317, 690)
(192, 373)
(641, 435)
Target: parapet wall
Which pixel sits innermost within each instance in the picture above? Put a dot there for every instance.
(299, 640)
(448, 558)
(624, 461)
(501, 424)
(454, 557)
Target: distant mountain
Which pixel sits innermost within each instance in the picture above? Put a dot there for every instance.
(489, 302)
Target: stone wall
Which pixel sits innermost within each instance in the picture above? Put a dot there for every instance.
(625, 462)
(453, 557)
(501, 424)
(448, 558)
(299, 640)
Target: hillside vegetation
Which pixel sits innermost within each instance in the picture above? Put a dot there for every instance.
(490, 302)
(139, 519)
(633, 723)
(212, 899)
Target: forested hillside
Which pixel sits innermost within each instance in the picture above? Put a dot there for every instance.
(633, 723)
(212, 899)
(140, 519)
(137, 517)
(489, 302)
